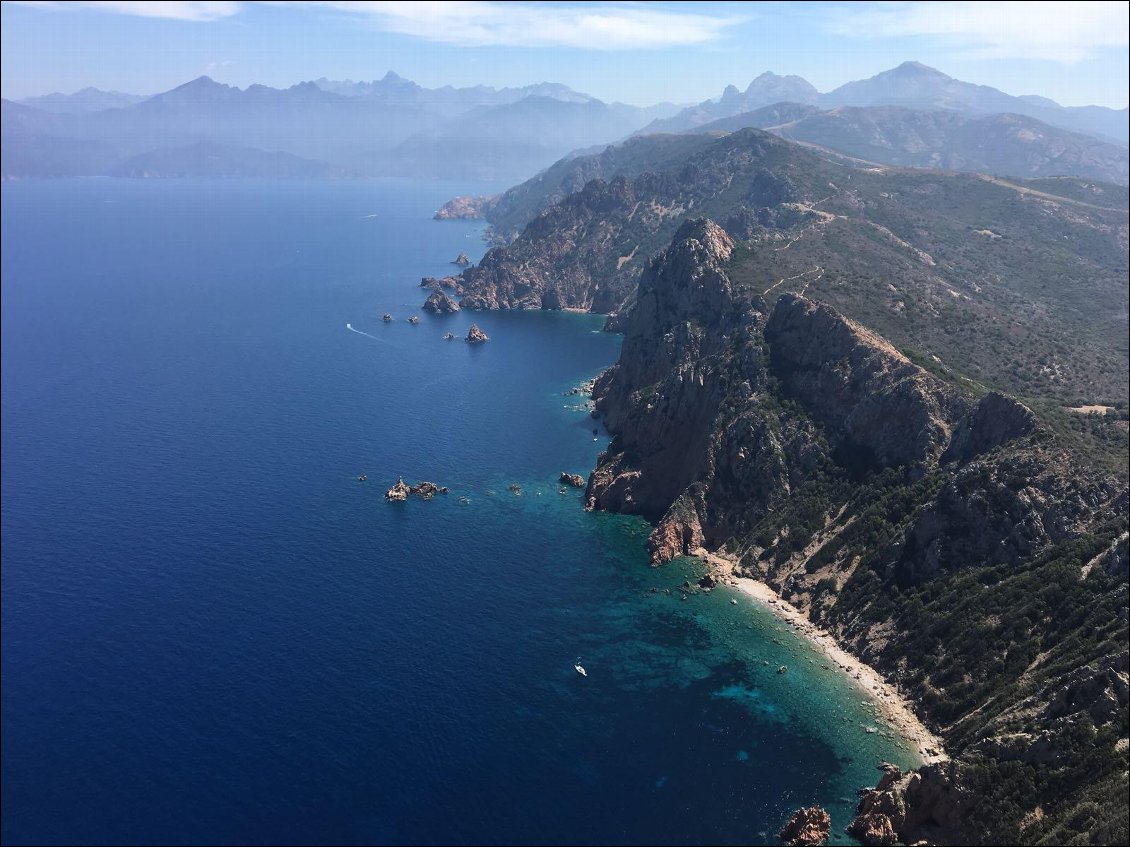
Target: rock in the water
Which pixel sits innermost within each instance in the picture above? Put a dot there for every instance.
(807, 828)
(440, 302)
(476, 335)
(430, 282)
(399, 492)
(426, 490)
(573, 479)
(387, 318)
(461, 260)
(415, 319)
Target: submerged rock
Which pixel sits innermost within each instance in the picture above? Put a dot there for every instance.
(573, 479)
(807, 828)
(476, 335)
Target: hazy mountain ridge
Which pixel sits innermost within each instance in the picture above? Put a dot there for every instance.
(83, 101)
(1007, 144)
(380, 128)
(911, 85)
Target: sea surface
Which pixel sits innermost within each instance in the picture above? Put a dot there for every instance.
(212, 632)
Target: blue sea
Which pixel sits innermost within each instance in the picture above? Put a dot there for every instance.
(212, 632)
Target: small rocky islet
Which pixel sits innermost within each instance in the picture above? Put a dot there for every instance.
(424, 490)
(807, 828)
(439, 302)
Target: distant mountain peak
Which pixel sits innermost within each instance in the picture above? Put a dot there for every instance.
(916, 69)
(203, 83)
(730, 92)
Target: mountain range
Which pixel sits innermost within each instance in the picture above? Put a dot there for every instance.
(389, 126)
(909, 116)
(911, 85)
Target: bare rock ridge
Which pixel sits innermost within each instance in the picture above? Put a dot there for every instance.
(858, 385)
(692, 346)
(864, 488)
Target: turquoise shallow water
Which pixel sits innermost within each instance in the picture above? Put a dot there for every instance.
(212, 632)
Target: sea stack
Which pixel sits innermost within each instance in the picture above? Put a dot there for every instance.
(476, 335)
(399, 492)
(440, 303)
(461, 260)
(807, 828)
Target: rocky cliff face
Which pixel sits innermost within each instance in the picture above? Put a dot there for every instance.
(863, 487)
(586, 250)
(874, 399)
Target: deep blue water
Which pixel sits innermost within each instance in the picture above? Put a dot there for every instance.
(212, 632)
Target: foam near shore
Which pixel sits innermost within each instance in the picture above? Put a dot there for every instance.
(891, 706)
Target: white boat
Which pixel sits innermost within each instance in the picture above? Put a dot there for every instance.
(580, 669)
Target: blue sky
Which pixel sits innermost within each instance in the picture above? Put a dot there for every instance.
(639, 53)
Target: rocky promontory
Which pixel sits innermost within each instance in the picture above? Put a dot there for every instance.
(440, 303)
(877, 497)
(464, 208)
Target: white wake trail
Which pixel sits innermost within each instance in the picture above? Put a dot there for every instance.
(351, 328)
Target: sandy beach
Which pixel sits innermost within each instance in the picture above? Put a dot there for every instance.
(891, 706)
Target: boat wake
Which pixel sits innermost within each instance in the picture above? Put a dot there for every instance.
(352, 328)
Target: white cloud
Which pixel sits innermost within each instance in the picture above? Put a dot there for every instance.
(598, 27)
(474, 24)
(1058, 31)
(181, 10)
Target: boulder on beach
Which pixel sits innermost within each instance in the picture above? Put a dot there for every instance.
(476, 335)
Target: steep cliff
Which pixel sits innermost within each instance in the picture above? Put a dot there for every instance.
(937, 529)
